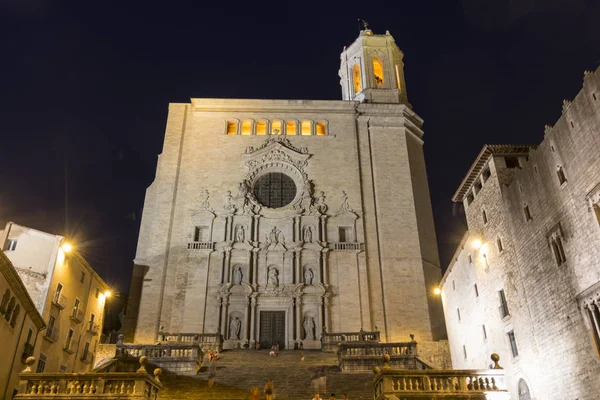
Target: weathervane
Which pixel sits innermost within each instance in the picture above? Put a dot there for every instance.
(364, 24)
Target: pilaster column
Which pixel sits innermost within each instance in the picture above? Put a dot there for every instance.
(224, 310)
(226, 265)
(297, 267)
(252, 318)
(325, 313)
(297, 229)
(246, 318)
(324, 267)
(298, 318)
(320, 317)
(323, 230)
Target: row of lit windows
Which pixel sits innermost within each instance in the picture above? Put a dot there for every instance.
(277, 127)
(378, 75)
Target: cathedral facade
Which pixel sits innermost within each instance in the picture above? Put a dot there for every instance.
(273, 221)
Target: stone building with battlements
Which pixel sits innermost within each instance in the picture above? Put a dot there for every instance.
(272, 221)
(525, 280)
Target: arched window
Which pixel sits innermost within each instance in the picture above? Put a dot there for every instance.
(306, 128)
(378, 71)
(321, 129)
(247, 127)
(276, 128)
(523, 390)
(231, 127)
(15, 315)
(5, 300)
(11, 305)
(290, 128)
(261, 128)
(356, 78)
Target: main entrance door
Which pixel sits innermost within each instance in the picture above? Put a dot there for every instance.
(272, 329)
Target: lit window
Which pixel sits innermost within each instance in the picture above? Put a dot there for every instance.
(513, 344)
(378, 71)
(561, 175)
(11, 245)
(356, 78)
(290, 128)
(306, 128)
(247, 127)
(276, 128)
(320, 129)
(261, 128)
(231, 128)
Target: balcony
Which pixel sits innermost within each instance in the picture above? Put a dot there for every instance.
(206, 246)
(77, 315)
(59, 301)
(93, 328)
(352, 247)
(51, 335)
(27, 351)
(87, 357)
(71, 346)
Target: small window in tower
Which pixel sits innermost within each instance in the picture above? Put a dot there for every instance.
(527, 212)
(345, 234)
(378, 71)
(290, 128)
(398, 81)
(231, 128)
(512, 162)
(561, 175)
(276, 128)
(484, 217)
(247, 127)
(320, 129)
(261, 128)
(486, 174)
(306, 128)
(356, 78)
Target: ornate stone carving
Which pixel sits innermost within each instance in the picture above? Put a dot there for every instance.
(204, 204)
(238, 275)
(318, 205)
(272, 277)
(274, 241)
(308, 276)
(307, 236)
(309, 328)
(240, 233)
(229, 203)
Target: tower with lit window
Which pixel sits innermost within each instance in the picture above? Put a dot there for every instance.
(372, 70)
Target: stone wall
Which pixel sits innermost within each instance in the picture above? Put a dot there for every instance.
(556, 355)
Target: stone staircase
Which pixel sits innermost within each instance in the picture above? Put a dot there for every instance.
(239, 370)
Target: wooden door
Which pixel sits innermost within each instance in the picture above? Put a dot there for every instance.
(272, 329)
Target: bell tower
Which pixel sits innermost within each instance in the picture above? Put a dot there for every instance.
(372, 70)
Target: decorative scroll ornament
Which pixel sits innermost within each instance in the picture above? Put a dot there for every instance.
(204, 205)
(345, 207)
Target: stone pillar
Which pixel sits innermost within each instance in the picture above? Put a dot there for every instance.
(297, 267)
(226, 265)
(324, 266)
(298, 318)
(255, 219)
(246, 319)
(323, 230)
(297, 229)
(319, 324)
(253, 322)
(224, 317)
(325, 313)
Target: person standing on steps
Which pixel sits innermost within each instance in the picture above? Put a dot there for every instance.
(317, 397)
(332, 397)
(212, 374)
(269, 390)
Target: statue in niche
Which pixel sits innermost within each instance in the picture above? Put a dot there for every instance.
(229, 205)
(273, 277)
(274, 235)
(308, 276)
(235, 328)
(240, 235)
(308, 234)
(309, 328)
(238, 275)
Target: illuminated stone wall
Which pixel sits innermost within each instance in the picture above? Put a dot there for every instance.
(369, 167)
(556, 353)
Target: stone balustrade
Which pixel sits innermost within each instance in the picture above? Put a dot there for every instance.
(331, 341)
(104, 385)
(346, 246)
(207, 341)
(172, 357)
(363, 356)
(207, 246)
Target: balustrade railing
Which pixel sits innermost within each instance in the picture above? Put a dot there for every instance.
(213, 341)
(93, 327)
(407, 384)
(51, 334)
(346, 246)
(361, 336)
(77, 315)
(363, 356)
(104, 385)
(175, 357)
(201, 245)
(59, 300)
(70, 346)
(377, 349)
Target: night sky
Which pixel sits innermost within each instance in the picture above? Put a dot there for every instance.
(85, 88)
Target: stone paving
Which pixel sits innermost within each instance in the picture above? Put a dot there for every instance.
(239, 370)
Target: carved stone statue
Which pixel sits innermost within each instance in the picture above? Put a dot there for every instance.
(229, 204)
(238, 275)
(240, 235)
(274, 236)
(309, 328)
(319, 203)
(234, 328)
(308, 276)
(273, 277)
(308, 234)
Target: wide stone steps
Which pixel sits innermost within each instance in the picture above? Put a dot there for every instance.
(239, 370)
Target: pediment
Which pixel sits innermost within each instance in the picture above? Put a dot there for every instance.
(276, 149)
